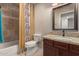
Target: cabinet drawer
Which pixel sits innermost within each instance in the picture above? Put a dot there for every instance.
(60, 45)
(48, 42)
(74, 48)
(73, 54)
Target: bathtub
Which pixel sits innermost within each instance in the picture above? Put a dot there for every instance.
(8, 44)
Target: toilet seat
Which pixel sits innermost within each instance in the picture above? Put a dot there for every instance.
(31, 43)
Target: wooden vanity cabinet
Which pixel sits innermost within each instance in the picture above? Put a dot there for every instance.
(55, 48)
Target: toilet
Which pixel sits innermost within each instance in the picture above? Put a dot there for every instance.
(33, 43)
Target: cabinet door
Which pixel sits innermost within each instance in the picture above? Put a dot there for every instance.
(50, 51)
(47, 46)
(55, 52)
(73, 54)
(63, 52)
(62, 48)
(47, 50)
(74, 50)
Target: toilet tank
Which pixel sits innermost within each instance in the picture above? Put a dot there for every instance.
(37, 37)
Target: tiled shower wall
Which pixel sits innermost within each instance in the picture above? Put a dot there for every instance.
(10, 18)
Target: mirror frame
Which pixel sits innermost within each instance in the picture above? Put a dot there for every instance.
(75, 17)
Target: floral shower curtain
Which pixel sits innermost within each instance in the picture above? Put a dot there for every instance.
(9, 23)
(27, 19)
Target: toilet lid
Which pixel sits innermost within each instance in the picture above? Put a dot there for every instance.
(30, 43)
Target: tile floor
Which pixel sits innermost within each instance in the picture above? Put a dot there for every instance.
(12, 51)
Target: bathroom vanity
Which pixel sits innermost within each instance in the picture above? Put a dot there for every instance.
(65, 17)
(55, 45)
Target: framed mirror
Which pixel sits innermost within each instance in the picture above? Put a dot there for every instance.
(65, 17)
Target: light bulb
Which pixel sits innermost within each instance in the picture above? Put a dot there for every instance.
(54, 4)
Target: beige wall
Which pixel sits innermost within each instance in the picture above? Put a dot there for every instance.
(43, 18)
(78, 17)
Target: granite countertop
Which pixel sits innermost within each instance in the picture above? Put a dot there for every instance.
(65, 39)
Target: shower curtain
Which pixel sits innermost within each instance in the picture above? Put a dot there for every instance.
(10, 17)
(27, 19)
(1, 30)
